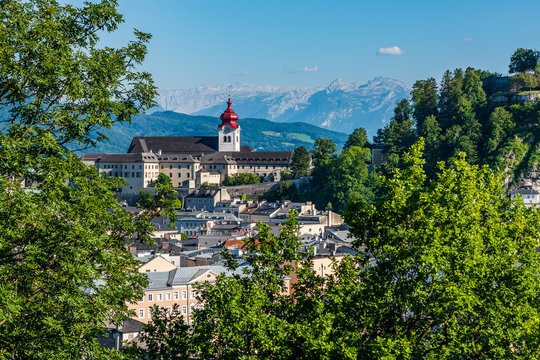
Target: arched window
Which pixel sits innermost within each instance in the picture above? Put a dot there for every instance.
(224, 139)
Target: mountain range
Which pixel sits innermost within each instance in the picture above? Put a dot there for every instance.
(259, 134)
(341, 106)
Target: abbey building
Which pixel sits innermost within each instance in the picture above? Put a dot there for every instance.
(191, 161)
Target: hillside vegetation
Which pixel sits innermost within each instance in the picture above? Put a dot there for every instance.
(259, 134)
(462, 115)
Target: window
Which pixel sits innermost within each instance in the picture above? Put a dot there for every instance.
(175, 295)
(169, 310)
(170, 166)
(150, 297)
(179, 175)
(184, 309)
(149, 312)
(193, 293)
(170, 175)
(168, 295)
(184, 294)
(141, 313)
(159, 296)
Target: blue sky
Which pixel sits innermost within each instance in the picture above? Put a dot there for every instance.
(300, 42)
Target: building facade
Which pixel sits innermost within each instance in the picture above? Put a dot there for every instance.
(191, 161)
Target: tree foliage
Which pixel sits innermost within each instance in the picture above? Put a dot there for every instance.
(357, 138)
(448, 270)
(300, 162)
(338, 178)
(163, 180)
(523, 60)
(324, 150)
(455, 271)
(244, 313)
(241, 179)
(65, 271)
(286, 190)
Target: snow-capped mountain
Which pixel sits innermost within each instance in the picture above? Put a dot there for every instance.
(341, 106)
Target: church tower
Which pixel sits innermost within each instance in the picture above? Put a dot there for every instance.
(229, 130)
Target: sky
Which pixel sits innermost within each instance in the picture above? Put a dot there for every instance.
(312, 43)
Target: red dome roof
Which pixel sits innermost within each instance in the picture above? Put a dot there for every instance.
(229, 117)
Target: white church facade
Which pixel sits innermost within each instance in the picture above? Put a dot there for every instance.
(191, 161)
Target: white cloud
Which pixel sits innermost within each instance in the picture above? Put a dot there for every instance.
(394, 50)
(240, 73)
(467, 39)
(305, 69)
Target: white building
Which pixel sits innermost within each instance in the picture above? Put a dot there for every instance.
(191, 160)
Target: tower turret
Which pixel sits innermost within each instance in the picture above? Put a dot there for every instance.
(229, 130)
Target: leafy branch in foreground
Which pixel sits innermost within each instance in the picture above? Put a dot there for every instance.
(65, 271)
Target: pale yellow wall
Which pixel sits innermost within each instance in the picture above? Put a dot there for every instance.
(179, 172)
(157, 264)
(182, 294)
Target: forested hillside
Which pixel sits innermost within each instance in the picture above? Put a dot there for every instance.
(463, 114)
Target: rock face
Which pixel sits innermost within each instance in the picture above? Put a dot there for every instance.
(341, 106)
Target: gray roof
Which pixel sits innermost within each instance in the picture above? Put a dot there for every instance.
(527, 191)
(177, 158)
(128, 158)
(261, 157)
(158, 280)
(342, 235)
(204, 192)
(185, 275)
(175, 144)
(218, 158)
(91, 156)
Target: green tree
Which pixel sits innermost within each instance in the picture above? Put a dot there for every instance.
(357, 138)
(455, 269)
(432, 134)
(499, 125)
(300, 162)
(424, 98)
(65, 271)
(523, 60)
(163, 180)
(472, 88)
(146, 198)
(286, 190)
(449, 95)
(397, 136)
(241, 179)
(347, 180)
(245, 313)
(323, 151)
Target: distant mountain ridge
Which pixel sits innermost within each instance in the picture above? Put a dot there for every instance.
(259, 134)
(341, 106)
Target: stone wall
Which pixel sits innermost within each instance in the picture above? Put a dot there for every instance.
(257, 190)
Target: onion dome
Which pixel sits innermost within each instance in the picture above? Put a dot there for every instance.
(229, 117)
